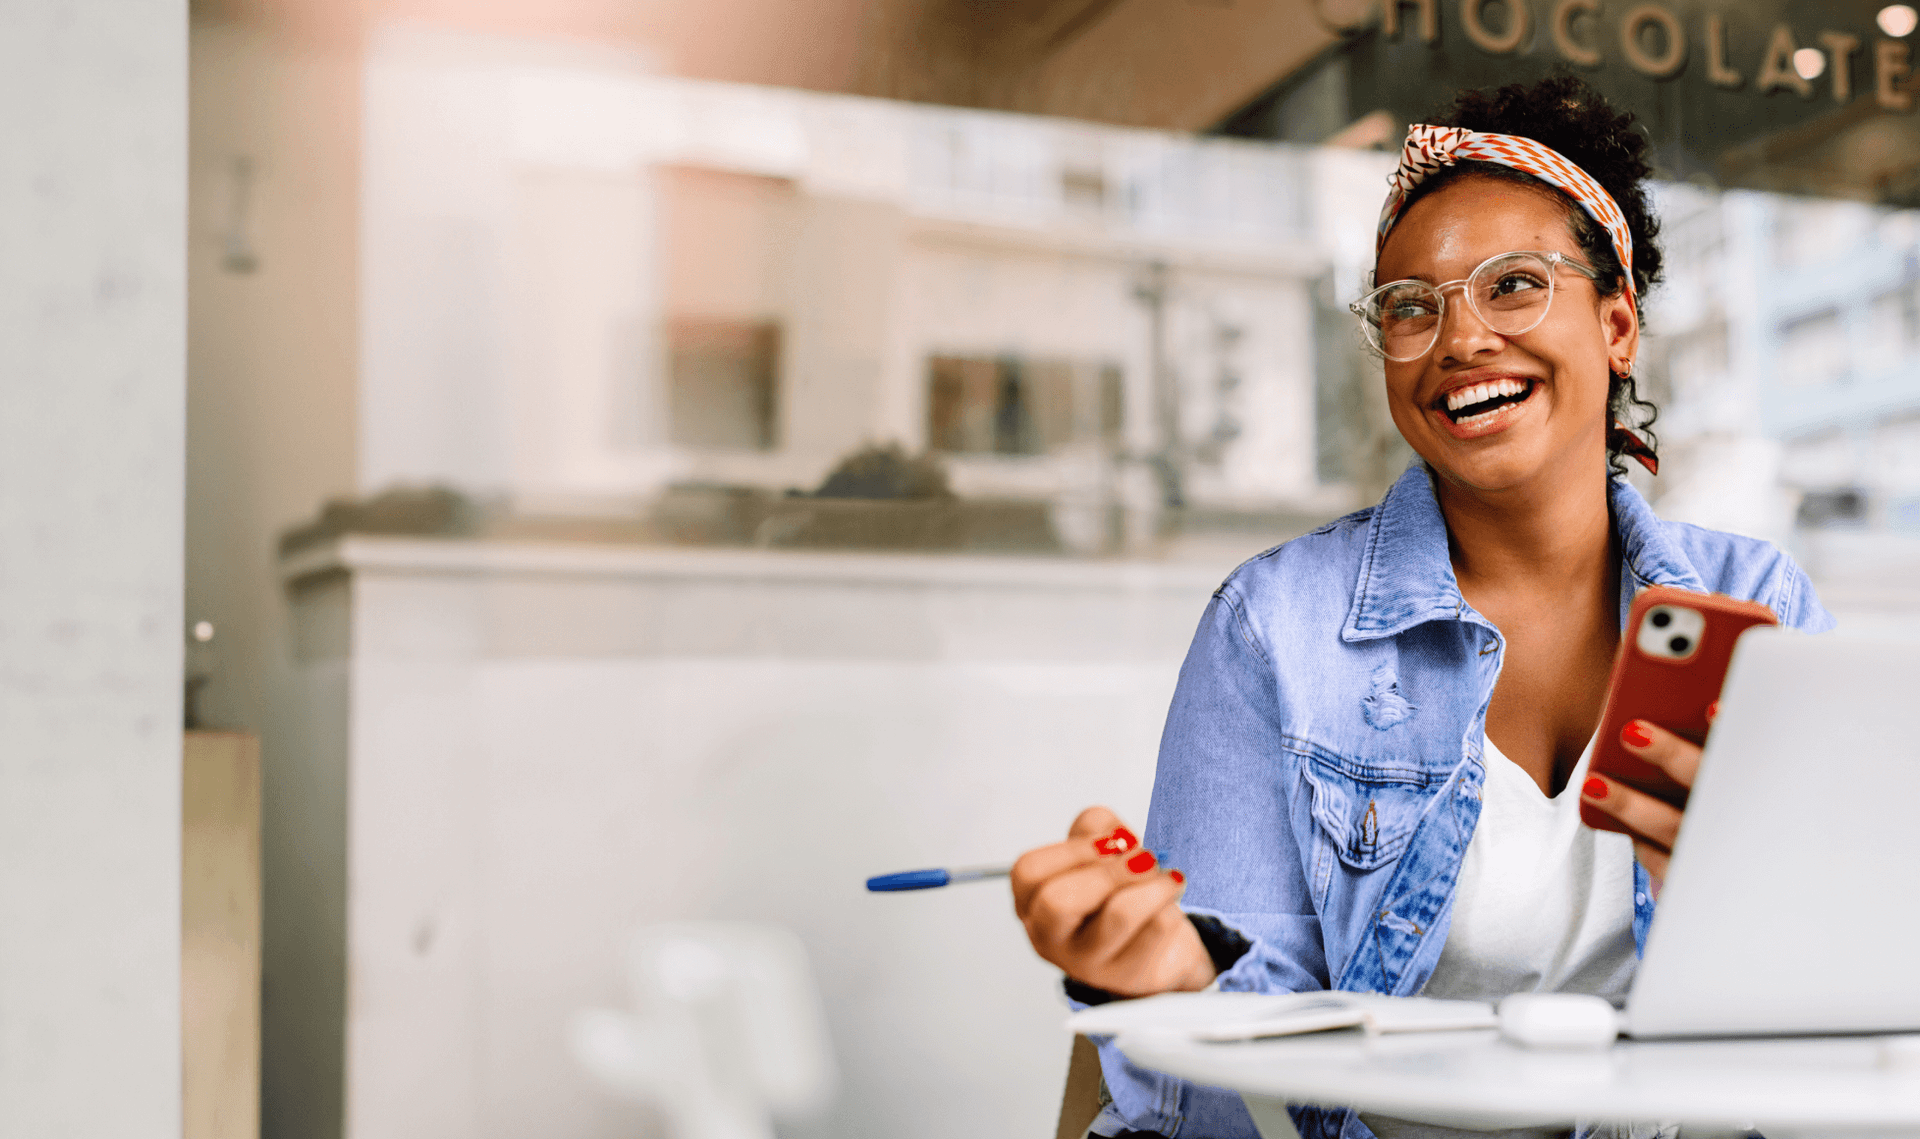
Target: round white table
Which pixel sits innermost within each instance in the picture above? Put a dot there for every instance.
(1783, 1087)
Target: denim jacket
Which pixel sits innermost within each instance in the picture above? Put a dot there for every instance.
(1320, 772)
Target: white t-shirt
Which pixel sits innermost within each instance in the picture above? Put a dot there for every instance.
(1543, 904)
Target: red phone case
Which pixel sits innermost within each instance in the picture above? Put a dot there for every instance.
(1674, 694)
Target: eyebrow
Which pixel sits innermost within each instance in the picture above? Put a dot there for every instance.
(1423, 278)
(1428, 279)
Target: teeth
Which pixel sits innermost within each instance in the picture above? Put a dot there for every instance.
(1480, 393)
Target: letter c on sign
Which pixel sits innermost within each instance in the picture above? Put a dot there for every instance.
(1506, 41)
(1655, 66)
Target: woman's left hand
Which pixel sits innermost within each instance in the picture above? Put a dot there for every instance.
(1653, 823)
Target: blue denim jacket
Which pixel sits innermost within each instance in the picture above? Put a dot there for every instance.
(1320, 773)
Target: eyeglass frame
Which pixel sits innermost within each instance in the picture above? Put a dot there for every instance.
(1553, 257)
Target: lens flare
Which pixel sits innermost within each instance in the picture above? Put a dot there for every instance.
(1897, 19)
(1809, 62)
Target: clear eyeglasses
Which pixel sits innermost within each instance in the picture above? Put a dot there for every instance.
(1509, 292)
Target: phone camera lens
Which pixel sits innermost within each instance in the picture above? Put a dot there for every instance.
(1661, 618)
(1680, 644)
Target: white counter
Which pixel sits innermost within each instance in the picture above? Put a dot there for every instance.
(539, 745)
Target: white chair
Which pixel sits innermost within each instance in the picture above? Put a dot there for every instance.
(727, 1030)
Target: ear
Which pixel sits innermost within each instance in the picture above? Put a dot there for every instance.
(1622, 328)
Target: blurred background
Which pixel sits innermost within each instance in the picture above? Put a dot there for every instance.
(652, 460)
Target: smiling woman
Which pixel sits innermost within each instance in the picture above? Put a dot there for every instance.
(1559, 361)
(1373, 770)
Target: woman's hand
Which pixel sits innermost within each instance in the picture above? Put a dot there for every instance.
(1099, 907)
(1653, 823)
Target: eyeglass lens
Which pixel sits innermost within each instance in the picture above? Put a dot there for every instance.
(1510, 294)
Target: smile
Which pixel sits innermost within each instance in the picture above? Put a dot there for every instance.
(1465, 404)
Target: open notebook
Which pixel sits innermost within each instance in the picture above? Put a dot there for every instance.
(1250, 1016)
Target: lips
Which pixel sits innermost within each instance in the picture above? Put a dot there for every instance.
(1474, 400)
(1482, 403)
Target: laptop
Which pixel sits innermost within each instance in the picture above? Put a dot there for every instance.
(1792, 904)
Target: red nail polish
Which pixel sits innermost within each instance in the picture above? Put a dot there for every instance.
(1119, 842)
(1713, 710)
(1594, 788)
(1635, 734)
(1141, 862)
(1179, 878)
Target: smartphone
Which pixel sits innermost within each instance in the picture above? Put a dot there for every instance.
(1673, 657)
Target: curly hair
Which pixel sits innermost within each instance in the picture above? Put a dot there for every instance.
(1564, 113)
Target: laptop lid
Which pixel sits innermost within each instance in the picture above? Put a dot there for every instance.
(1793, 901)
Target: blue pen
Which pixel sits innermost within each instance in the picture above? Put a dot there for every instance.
(933, 879)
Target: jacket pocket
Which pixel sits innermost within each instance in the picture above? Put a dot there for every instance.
(1365, 813)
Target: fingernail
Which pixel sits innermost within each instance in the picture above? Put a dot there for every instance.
(1713, 710)
(1594, 788)
(1635, 734)
(1141, 862)
(1119, 842)
(1178, 877)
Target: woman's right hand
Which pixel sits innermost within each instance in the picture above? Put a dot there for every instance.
(1099, 907)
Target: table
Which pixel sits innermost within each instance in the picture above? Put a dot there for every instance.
(1782, 1086)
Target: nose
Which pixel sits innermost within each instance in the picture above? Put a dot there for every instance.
(1463, 335)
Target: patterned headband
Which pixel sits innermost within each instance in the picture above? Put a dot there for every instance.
(1431, 148)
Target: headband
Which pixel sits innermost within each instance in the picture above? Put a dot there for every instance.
(1430, 149)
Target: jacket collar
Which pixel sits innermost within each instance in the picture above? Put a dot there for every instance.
(1406, 575)
(1648, 553)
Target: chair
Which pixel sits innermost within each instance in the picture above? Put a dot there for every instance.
(727, 1033)
(1083, 1096)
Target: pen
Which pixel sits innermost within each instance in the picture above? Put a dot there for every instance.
(931, 879)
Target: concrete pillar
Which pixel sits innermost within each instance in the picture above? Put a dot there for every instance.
(92, 440)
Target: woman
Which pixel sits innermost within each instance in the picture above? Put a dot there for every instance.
(1375, 756)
